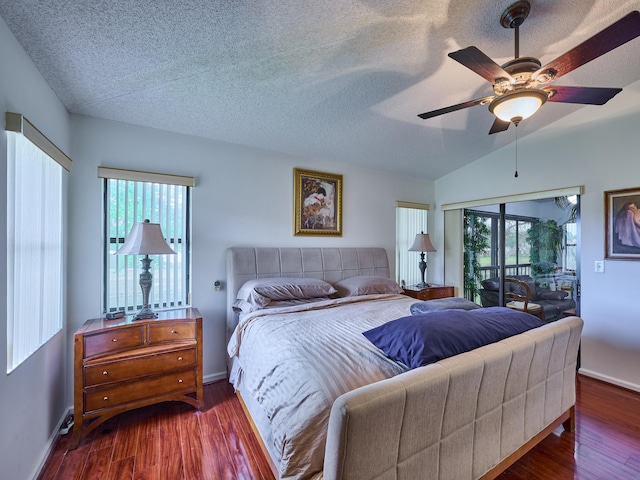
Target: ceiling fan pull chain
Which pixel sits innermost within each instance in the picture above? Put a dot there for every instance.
(516, 175)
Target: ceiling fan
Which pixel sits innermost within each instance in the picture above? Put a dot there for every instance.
(520, 85)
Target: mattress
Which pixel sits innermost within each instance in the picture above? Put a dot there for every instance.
(295, 361)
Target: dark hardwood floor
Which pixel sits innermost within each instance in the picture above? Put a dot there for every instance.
(173, 441)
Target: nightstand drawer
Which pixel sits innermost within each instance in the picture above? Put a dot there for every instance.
(431, 292)
(424, 295)
(127, 392)
(441, 292)
(172, 332)
(126, 369)
(113, 340)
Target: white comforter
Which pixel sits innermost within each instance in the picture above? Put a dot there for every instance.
(297, 360)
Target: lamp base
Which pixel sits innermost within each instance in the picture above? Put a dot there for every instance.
(145, 313)
(146, 280)
(423, 266)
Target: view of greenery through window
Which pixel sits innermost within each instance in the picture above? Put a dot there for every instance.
(517, 247)
(570, 260)
(533, 247)
(128, 202)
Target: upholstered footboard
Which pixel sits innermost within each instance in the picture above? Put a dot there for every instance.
(464, 418)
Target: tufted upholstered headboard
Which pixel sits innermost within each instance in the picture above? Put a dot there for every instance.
(329, 264)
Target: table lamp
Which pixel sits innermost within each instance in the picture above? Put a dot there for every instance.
(422, 244)
(145, 239)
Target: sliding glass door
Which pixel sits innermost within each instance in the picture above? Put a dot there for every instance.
(482, 246)
(533, 240)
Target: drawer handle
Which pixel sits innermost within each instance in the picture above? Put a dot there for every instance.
(105, 398)
(114, 339)
(105, 373)
(174, 332)
(180, 381)
(179, 359)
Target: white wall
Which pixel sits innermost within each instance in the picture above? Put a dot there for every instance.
(243, 196)
(596, 147)
(33, 400)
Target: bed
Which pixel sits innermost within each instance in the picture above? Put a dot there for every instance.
(326, 402)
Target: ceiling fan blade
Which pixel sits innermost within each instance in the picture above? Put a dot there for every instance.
(499, 126)
(583, 95)
(474, 59)
(459, 106)
(615, 35)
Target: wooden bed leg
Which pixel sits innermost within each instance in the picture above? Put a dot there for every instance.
(569, 424)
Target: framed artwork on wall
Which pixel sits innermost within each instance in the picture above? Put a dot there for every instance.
(317, 205)
(622, 224)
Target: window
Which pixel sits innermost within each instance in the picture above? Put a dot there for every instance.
(570, 240)
(411, 219)
(132, 197)
(35, 244)
(517, 244)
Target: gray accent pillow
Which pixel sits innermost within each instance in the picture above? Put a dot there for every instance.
(366, 285)
(443, 304)
(258, 293)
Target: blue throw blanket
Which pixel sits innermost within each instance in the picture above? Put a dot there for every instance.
(425, 338)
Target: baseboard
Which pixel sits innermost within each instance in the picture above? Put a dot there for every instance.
(214, 377)
(608, 379)
(44, 456)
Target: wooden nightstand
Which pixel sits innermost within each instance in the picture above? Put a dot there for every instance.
(124, 364)
(429, 293)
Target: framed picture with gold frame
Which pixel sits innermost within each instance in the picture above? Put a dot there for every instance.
(317, 203)
(622, 224)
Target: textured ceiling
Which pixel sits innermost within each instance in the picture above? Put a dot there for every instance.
(340, 80)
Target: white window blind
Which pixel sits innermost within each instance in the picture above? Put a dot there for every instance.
(34, 248)
(127, 202)
(411, 219)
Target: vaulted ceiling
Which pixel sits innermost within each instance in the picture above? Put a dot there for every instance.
(341, 80)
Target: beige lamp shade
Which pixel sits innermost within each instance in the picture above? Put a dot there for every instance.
(422, 243)
(145, 239)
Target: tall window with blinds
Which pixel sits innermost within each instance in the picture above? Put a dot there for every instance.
(35, 239)
(128, 201)
(411, 219)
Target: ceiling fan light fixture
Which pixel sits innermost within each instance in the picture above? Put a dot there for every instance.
(516, 83)
(519, 103)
